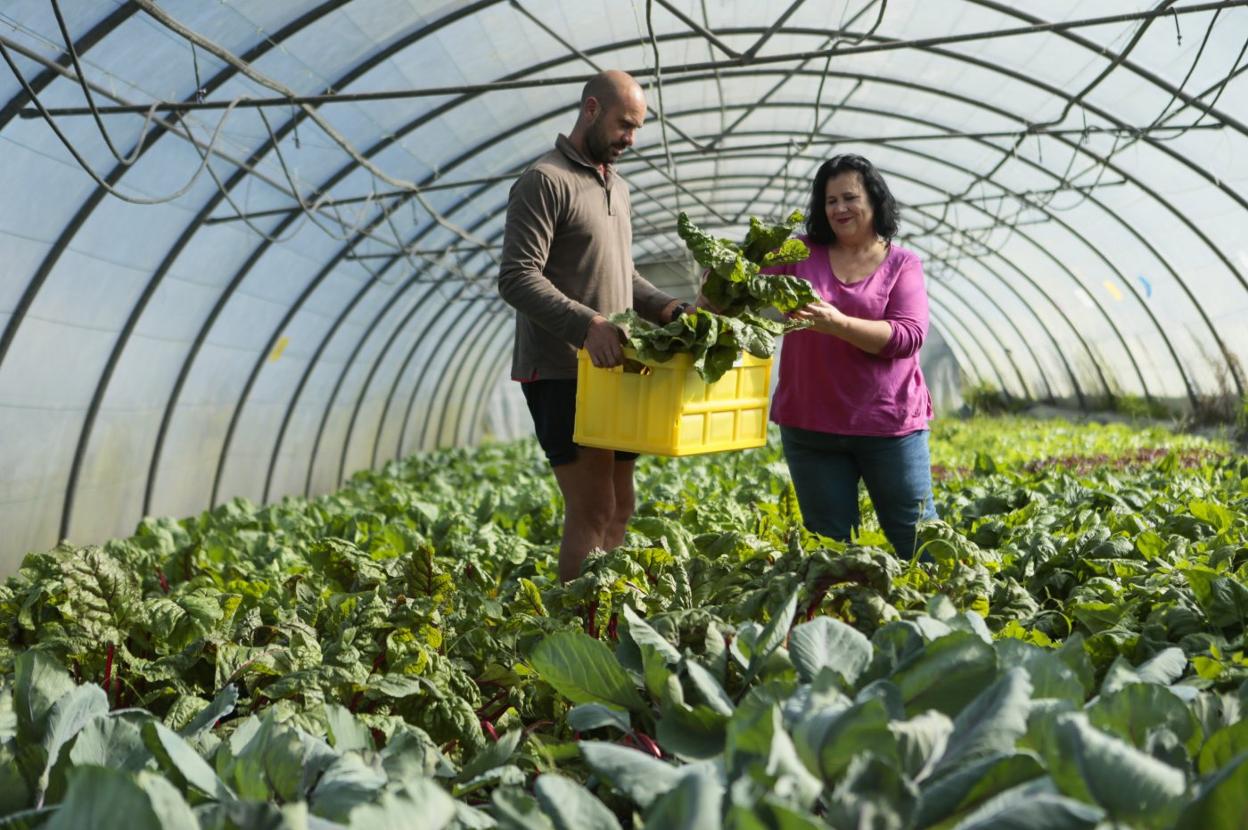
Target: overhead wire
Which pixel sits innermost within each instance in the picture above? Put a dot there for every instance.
(1124, 140)
(1033, 128)
(815, 125)
(1102, 165)
(86, 92)
(351, 230)
(249, 71)
(206, 153)
(87, 167)
(658, 85)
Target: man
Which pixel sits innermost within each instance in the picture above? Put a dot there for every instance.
(566, 267)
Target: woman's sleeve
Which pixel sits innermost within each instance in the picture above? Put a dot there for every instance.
(907, 311)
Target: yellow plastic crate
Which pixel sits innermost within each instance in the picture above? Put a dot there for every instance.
(667, 409)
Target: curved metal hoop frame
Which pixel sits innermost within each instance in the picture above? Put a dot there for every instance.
(470, 346)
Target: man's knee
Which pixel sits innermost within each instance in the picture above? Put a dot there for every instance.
(592, 509)
(625, 506)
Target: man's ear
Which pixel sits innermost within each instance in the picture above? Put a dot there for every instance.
(591, 109)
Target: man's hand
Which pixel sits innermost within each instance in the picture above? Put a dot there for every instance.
(603, 342)
(676, 308)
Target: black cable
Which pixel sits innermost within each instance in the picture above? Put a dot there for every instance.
(125, 161)
(90, 171)
(794, 149)
(879, 18)
(200, 92)
(1103, 165)
(1190, 70)
(1235, 70)
(1114, 64)
(1032, 128)
(658, 85)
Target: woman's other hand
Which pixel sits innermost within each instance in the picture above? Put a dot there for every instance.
(701, 301)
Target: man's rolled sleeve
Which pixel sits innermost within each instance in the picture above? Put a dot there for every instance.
(532, 216)
(907, 313)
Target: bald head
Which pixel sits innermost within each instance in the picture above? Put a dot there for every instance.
(613, 107)
(611, 87)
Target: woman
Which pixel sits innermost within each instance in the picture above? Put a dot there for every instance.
(851, 402)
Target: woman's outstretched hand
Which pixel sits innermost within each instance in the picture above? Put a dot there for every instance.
(701, 301)
(823, 316)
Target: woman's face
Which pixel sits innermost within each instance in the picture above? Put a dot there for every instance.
(849, 208)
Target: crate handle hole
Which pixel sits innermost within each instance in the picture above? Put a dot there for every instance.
(636, 367)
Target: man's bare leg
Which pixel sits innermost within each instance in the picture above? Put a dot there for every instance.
(588, 491)
(625, 502)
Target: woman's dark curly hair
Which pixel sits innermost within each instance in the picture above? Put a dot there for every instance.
(882, 202)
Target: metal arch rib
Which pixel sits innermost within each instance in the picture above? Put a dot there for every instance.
(83, 45)
(71, 230)
(239, 276)
(1050, 397)
(439, 343)
(461, 352)
(951, 316)
(448, 381)
(240, 403)
(1144, 383)
(478, 419)
(369, 330)
(368, 379)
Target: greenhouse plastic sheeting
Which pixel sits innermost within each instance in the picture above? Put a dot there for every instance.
(257, 299)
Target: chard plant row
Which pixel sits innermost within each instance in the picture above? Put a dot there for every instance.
(1072, 654)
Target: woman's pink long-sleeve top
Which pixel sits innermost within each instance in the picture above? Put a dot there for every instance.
(829, 385)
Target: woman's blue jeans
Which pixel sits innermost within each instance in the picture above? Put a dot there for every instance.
(826, 469)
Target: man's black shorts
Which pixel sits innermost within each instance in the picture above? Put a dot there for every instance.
(552, 403)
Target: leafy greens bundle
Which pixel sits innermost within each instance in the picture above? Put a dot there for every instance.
(714, 341)
(735, 286)
(733, 282)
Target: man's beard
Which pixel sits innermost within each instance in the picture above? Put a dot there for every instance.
(599, 146)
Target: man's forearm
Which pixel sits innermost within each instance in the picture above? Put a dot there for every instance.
(534, 296)
(650, 302)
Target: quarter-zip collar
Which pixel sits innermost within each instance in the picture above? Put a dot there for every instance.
(565, 146)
